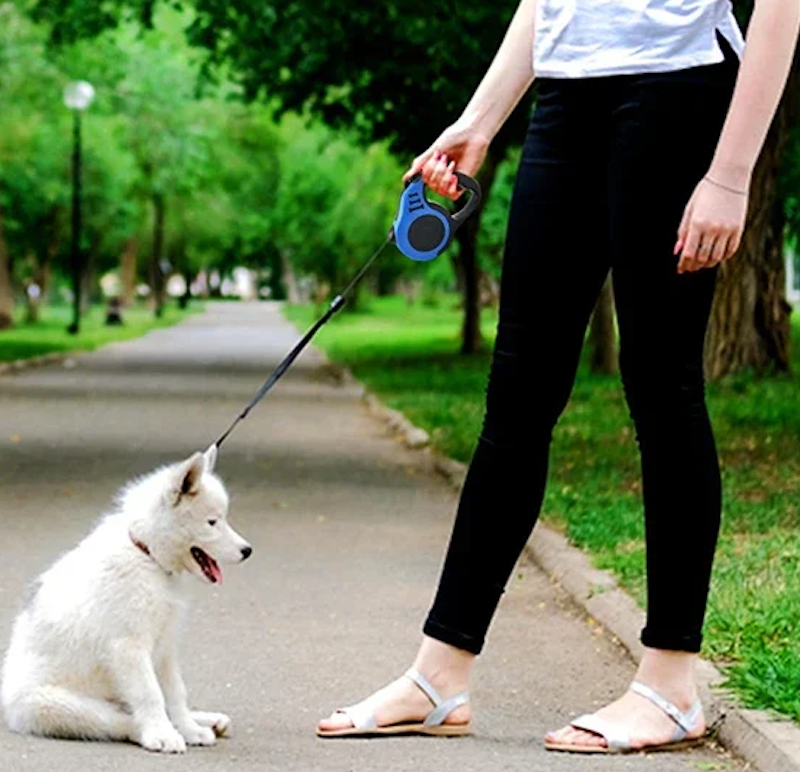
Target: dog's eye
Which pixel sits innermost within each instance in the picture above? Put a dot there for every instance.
(212, 522)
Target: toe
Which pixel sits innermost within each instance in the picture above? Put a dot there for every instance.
(569, 735)
(336, 720)
(564, 735)
(588, 739)
(557, 735)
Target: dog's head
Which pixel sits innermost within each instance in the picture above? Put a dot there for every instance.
(200, 536)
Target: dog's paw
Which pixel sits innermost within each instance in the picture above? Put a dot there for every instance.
(162, 739)
(218, 722)
(195, 734)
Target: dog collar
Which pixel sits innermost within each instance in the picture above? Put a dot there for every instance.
(144, 548)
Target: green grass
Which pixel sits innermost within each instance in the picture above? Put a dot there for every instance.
(49, 334)
(408, 356)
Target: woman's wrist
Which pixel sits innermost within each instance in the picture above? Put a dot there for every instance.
(481, 123)
(733, 175)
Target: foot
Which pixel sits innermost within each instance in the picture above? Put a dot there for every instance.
(645, 723)
(402, 702)
(162, 738)
(196, 734)
(219, 723)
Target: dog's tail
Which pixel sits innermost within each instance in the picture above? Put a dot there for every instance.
(53, 711)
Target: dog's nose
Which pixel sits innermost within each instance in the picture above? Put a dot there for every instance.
(246, 552)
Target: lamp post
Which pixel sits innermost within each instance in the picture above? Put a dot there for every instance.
(77, 97)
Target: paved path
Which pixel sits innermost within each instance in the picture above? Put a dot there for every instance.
(348, 535)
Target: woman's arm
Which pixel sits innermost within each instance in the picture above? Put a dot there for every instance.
(465, 142)
(716, 212)
(508, 78)
(771, 38)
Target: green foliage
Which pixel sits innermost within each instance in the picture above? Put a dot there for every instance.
(238, 188)
(408, 69)
(394, 71)
(334, 201)
(407, 355)
(33, 138)
(492, 236)
(49, 335)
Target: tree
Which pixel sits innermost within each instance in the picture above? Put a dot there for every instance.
(30, 188)
(603, 357)
(6, 296)
(750, 327)
(399, 72)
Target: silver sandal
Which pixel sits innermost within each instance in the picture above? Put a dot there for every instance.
(617, 739)
(365, 725)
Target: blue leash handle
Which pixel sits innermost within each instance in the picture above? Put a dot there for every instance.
(424, 229)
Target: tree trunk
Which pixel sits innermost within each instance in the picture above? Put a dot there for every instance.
(385, 284)
(157, 275)
(127, 270)
(293, 294)
(749, 327)
(185, 298)
(6, 294)
(467, 237)
(602, 333)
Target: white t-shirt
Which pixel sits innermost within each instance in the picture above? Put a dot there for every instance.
(592, 38)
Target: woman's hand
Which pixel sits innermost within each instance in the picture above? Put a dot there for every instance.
(459, 147)
(711, 228)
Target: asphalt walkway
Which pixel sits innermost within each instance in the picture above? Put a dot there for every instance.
(348, 534)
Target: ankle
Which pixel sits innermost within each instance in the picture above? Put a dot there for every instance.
(671, 674)
(446, 667)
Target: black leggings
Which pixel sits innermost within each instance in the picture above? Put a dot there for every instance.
(606, 171)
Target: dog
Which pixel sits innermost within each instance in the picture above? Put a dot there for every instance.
(93, 655)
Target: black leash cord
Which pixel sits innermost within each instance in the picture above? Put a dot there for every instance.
(287, 361)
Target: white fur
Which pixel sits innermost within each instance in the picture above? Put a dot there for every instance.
(94, 653)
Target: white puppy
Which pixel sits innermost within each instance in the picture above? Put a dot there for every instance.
(94, 653)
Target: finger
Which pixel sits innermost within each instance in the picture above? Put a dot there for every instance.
(445, 176)
(734, 243)
(447, 180)
(719, 252)
(689, 252)
(438, 173)
(418, 163)
(455, 192)
(430, 167)
(708, 243)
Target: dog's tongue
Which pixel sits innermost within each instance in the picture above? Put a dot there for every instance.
(215, 570)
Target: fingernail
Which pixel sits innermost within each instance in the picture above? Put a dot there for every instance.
(677, 247)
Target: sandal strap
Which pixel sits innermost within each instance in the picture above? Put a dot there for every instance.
(361, 715)
(442, 708)
(616, 736)
(425, 685)
(686, 721)
(442, 711)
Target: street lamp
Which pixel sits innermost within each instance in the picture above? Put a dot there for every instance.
(77, 97)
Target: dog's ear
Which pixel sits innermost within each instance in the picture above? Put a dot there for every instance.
(211, 458)
(189, 474)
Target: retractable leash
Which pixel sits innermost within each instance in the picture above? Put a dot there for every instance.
(421, 230)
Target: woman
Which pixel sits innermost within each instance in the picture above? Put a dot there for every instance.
(638, 160)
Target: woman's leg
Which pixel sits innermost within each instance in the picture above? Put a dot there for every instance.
(555, 262)
(666, 131)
